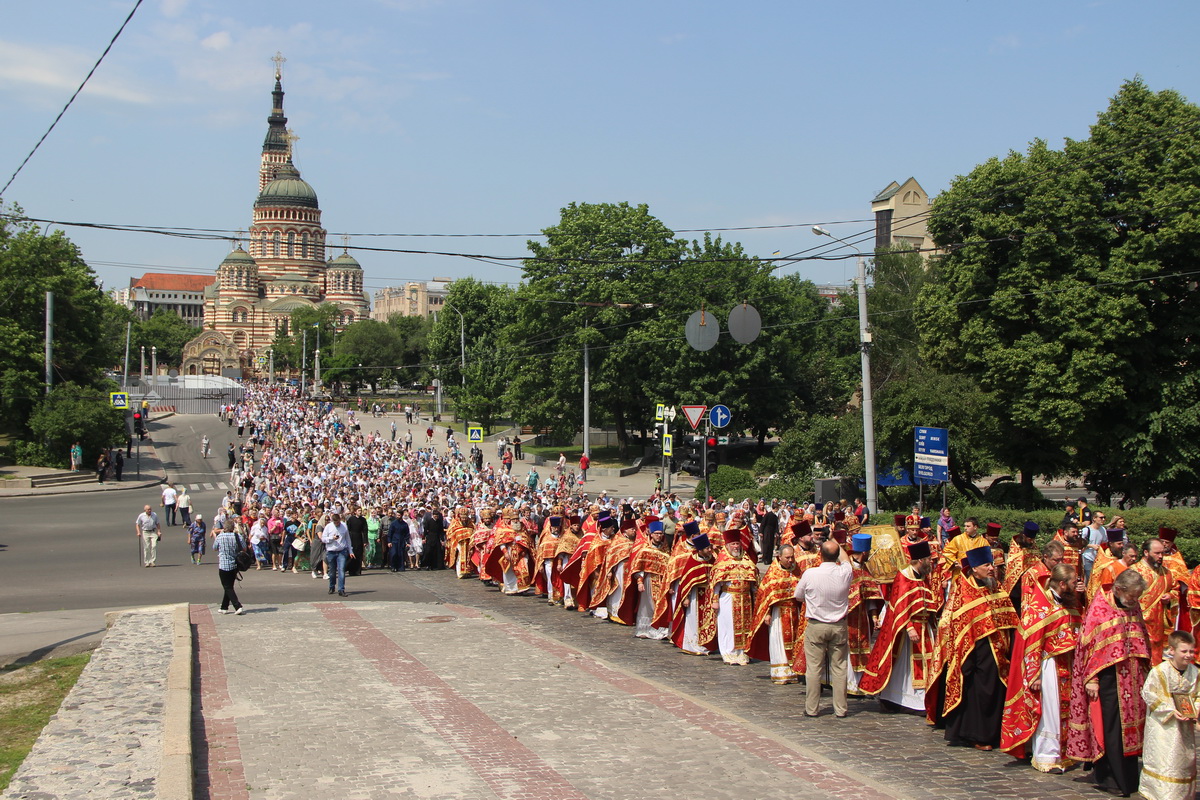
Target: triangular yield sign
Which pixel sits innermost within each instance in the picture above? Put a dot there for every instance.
(694, 414)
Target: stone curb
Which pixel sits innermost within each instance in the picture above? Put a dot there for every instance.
(175, 777)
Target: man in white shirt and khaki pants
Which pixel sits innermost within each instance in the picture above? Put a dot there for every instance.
(825, 592)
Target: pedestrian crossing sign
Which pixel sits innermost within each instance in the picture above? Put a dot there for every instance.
(667, 445)
(475, 433)
(119, 399)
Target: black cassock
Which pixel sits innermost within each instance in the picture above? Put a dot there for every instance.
(433, 556)
(356, 526)
(976, 718)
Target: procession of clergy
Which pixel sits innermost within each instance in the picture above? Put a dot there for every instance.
(1015, 651)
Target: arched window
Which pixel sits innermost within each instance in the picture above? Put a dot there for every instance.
(291, 251)
(276, 242)
(262, 244)
(304, 245)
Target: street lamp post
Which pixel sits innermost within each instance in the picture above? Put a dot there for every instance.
(868, 407)
(142, 370)
(303, 359)
(271, 368)
(317, 369)
(154, 363)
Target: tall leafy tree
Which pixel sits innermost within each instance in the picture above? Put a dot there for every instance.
(166, 331)
(1063, 295)
(478, 390)
(32, 263)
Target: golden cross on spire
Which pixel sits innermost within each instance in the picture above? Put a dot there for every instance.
(237, 242)
(345, 244)
(278, 59)
(291, 140)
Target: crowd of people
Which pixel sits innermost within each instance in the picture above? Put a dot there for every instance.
(1064, 649)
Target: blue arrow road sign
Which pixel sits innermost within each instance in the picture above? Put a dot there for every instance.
(719, 416)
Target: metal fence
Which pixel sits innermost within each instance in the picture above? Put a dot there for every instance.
(187, 395)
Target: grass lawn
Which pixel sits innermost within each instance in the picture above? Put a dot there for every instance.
(29, 696)
(601, 456)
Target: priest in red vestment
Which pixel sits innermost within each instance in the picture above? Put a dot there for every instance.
(732, 582)
(458, 543)
(694, 623)
(862, 617)
(1037, 703)
(646, 585)
(899, 665)
(1112, 661)
(1160, 600)
(971, 655)
(773, 628)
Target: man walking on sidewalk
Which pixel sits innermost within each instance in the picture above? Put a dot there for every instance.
(150, 532)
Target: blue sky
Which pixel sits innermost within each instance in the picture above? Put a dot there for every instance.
(469, 116)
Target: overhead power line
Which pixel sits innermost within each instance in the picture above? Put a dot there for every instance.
(86, 78)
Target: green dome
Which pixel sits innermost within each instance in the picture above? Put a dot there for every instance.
(345, 261)
(239, 258)
(287, 190)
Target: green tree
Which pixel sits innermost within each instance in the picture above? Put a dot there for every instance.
(73, 413)
(372, 348)
(1065, 293)
(166, 331)
(479, 390)
(32, 263)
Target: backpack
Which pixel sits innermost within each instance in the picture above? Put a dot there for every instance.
(243, 559)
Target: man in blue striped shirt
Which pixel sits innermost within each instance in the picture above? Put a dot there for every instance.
(227, 546)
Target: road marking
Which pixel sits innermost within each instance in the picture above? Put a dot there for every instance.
(208, 486)
(222, 487)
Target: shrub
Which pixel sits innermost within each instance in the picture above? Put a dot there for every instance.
(727, 481)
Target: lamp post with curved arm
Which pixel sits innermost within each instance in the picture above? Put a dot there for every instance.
(868, 406)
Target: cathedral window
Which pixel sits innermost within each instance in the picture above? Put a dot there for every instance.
(304, 245)
(275, 245)
(262, 246)
(291, 251)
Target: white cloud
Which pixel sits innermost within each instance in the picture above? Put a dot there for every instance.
(23, 66)
(173, 8)
(221, 40)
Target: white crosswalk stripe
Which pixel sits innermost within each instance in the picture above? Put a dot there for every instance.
(208, 486)
(222, 487)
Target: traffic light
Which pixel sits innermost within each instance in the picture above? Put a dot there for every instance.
(138, 427)
(710, 455)
(691, 459)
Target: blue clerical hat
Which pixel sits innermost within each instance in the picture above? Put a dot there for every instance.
(691, 528)
(860, 543)
(700, 541)
(979, 556)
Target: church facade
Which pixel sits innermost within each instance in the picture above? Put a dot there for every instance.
(284, 268)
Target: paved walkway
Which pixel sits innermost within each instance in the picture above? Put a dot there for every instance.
(485, 696)
(422, 700)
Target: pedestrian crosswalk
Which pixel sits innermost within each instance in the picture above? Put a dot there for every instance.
(203, 487)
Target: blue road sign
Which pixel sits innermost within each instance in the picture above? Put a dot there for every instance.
(119, 399)
(719, 416)
(475, 433)
(931, 455)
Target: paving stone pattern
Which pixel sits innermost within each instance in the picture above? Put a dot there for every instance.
(106, 739)
(429, 701)
(897, 752)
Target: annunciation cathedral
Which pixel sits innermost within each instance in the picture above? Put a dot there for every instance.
(255, 292)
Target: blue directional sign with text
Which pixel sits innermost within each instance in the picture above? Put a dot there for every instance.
(719, 416)
(931, 455)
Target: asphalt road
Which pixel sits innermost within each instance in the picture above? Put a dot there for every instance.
(81, 552)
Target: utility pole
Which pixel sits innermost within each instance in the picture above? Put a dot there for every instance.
(49, 340)
(587, 404)
(125, 374)
(303, 359)
(271, 369)
(868, 405)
